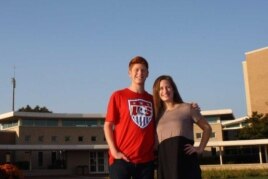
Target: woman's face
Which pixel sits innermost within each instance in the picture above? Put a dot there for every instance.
(166, 92)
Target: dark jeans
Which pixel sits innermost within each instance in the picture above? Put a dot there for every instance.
(121, 169)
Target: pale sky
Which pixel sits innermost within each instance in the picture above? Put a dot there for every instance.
(70, 55)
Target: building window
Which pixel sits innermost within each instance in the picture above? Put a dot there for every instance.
(39, 122)
(82, 123)
(52, 123)
(67, 138)
(92, 123)
(98, 162)
(27, 138)
(93, 138)
(213, 151)
(53, 158)
(58, 160)
(198, 135)
(212, 135)
(212, 119)
(93, 162)
(9, 124)
(40, 159)
(40, 138)
(80, 139)
(101, 160)
(27, 122)
(8, 157)
(53, 139)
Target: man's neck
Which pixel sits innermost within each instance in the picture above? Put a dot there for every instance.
(137, 88)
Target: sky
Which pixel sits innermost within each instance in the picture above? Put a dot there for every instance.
(70, 55)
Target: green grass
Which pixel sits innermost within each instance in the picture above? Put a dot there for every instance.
(235, 174)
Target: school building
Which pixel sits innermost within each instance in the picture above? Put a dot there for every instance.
(66, 143)
(71, 143)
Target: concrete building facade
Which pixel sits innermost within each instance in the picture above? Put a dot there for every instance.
(54, 141)
(255, 69)
(48, 142)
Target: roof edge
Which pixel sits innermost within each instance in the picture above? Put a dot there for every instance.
(257, 50)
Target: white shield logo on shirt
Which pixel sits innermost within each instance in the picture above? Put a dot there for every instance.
(141, 112)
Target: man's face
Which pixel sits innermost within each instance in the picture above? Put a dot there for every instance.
(138, 73)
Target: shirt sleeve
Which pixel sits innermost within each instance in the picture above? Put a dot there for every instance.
(112, 109)
(196, 115)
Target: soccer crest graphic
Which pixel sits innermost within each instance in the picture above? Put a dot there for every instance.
(141, 112)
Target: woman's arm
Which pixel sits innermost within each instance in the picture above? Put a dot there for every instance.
(205, 126)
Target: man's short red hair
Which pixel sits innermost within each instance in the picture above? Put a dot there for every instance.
(138, 60)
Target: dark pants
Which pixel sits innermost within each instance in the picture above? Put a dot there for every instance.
(121, 169)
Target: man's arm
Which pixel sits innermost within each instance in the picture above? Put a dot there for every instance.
(109, 135)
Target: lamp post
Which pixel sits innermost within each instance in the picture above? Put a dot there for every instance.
(13, 96)
(13, 80)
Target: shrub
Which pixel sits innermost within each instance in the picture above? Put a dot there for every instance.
(9, 171)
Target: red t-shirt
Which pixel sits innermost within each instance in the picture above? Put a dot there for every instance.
(134, 132)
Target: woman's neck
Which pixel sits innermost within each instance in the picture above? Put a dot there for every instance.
(170, 105)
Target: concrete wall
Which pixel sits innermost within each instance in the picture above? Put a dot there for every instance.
(256, 80)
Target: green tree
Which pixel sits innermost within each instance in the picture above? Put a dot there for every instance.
(256, 127)
(37, 108)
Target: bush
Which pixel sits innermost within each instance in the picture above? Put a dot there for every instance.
(8, 171)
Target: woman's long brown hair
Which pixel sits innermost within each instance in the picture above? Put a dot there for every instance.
(159, 107)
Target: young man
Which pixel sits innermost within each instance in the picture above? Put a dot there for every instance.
(130, 127)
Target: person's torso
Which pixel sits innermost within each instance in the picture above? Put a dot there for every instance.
(176, 122)
(134, 125)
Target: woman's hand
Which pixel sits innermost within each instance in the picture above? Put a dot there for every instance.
(190, 149)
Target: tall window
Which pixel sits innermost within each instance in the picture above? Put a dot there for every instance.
(53, 158)
(58, 159)
(98, 162)
(213, 151)
(40, 159)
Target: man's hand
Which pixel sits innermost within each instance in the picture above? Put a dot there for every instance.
(119, 155)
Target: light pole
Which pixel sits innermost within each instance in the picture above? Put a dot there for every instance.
(13, 80)
(13, 96)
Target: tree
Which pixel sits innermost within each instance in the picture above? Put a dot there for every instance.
(256, 127)
(35, 109)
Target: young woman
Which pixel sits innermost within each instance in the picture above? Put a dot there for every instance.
(177, 157)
